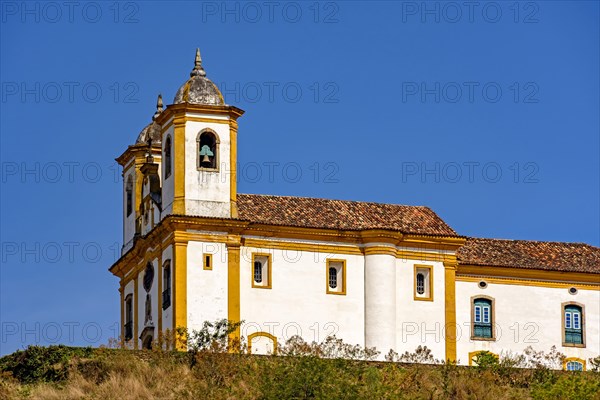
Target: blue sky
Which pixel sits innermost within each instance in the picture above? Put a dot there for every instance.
(488, 113)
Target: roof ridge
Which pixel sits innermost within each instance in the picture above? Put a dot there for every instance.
(327, 199)
(532, 241)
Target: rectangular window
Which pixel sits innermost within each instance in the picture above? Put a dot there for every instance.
(573, 325)
(335, 276)
(482, 317)
(261, 271)
(423, 282)
(207, 261)
(166, 294)
(128, 317)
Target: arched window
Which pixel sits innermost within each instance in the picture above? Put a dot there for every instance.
(482, 315)
(168, 158)
(128, 317)
(208, 150)
(166, 294)
(574, 364)
(420, 283)
(573, 323)
(258, 271)
(333, 277)
(129, 196)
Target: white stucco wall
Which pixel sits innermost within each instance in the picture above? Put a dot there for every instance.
(207, 289)
(526, 316)
(380, 301)
(420, 322)
(298, 303)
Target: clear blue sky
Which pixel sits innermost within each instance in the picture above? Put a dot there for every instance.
(489, 115)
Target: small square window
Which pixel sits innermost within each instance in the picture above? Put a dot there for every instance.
(423, 282)
(335, 274)
(261, 271)
(207, 261)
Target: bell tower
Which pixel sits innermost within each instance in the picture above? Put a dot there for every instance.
(199, 150)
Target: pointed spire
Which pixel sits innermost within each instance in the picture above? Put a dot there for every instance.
(159, 107)
(198, 70)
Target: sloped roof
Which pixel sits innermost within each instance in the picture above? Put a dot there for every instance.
(340, 214)
(550, 256)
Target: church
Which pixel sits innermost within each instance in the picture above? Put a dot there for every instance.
(377, 275)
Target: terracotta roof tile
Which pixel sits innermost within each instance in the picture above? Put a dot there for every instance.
(551, 256)
(340, 214)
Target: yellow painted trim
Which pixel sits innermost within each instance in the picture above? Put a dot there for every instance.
(328, 290)
(576, 359)
(534, 274)
(307, 247)
(178, 173)
(430, 283)
(207, 120)
(269, 271)
(207, 260)
(262, 334)
(179, 287)
(450, 310)
(381, 250)
(526, 282)
(233, 168)
(233, 287)
(135, 313)
(474, 354)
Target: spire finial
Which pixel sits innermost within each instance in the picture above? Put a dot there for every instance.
(198, 70)
(159, 107)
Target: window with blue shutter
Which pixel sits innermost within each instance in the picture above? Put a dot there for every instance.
(573, 324)
(482, 318)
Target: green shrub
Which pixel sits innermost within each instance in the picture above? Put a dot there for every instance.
(573, 386)
(42, 364)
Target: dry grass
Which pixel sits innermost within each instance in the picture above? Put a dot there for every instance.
(303, 372)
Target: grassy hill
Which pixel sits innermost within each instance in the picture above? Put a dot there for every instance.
(303, 372)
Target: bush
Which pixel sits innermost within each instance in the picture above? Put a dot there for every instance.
(42, 364)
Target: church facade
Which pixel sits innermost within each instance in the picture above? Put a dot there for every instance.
(378, 275)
